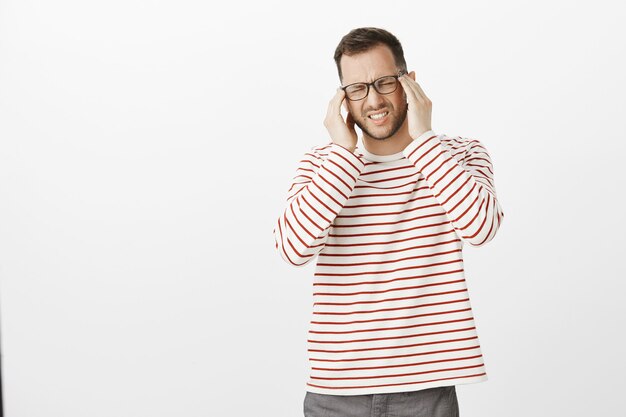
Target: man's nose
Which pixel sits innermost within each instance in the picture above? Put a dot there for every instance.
(374, 99)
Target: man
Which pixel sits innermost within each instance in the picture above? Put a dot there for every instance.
(392, 330)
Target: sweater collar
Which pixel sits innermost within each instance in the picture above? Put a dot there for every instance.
(380, 158)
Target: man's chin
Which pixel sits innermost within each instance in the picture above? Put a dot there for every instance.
(378, 132)
(378, 137)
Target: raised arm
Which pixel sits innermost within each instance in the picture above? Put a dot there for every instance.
(460, 174)
(323, 183)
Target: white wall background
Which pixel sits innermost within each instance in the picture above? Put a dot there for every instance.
(146, 151)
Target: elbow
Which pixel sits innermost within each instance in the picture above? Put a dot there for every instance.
(292, 255)
(295, 261)
(485, 226)
(292, 258)
(482, 241)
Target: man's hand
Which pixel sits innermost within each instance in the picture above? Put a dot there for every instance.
(342, 133)
(420, 107)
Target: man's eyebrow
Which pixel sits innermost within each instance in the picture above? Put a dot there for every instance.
(375, 78)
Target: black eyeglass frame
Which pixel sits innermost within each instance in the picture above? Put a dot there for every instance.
(373, 84)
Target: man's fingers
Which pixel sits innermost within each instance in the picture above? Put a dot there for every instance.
(410, 92)
(409, 85)
(334, 106)
(419, 89)
(415, 87)
(338, 98)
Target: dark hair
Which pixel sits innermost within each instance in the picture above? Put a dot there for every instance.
(363, 39)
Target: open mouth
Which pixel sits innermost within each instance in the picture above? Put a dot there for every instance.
(379, 118)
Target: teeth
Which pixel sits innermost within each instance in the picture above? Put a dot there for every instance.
(378, 116)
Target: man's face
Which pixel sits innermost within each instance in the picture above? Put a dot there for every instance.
(367, 67)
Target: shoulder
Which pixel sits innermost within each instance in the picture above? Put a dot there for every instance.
(461, 147)
(321, 152)
(313, 157)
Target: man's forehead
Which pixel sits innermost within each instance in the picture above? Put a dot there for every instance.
(367, 66)
(367, 75)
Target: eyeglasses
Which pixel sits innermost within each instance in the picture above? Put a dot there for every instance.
(383, 85)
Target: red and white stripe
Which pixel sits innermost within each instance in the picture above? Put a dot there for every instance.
(391, 307)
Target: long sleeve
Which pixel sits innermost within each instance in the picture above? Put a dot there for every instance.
(323, 183)
(465, 188)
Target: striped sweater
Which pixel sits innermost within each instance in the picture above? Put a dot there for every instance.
(391, 308)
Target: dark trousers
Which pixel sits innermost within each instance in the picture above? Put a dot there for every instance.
(431, 402)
